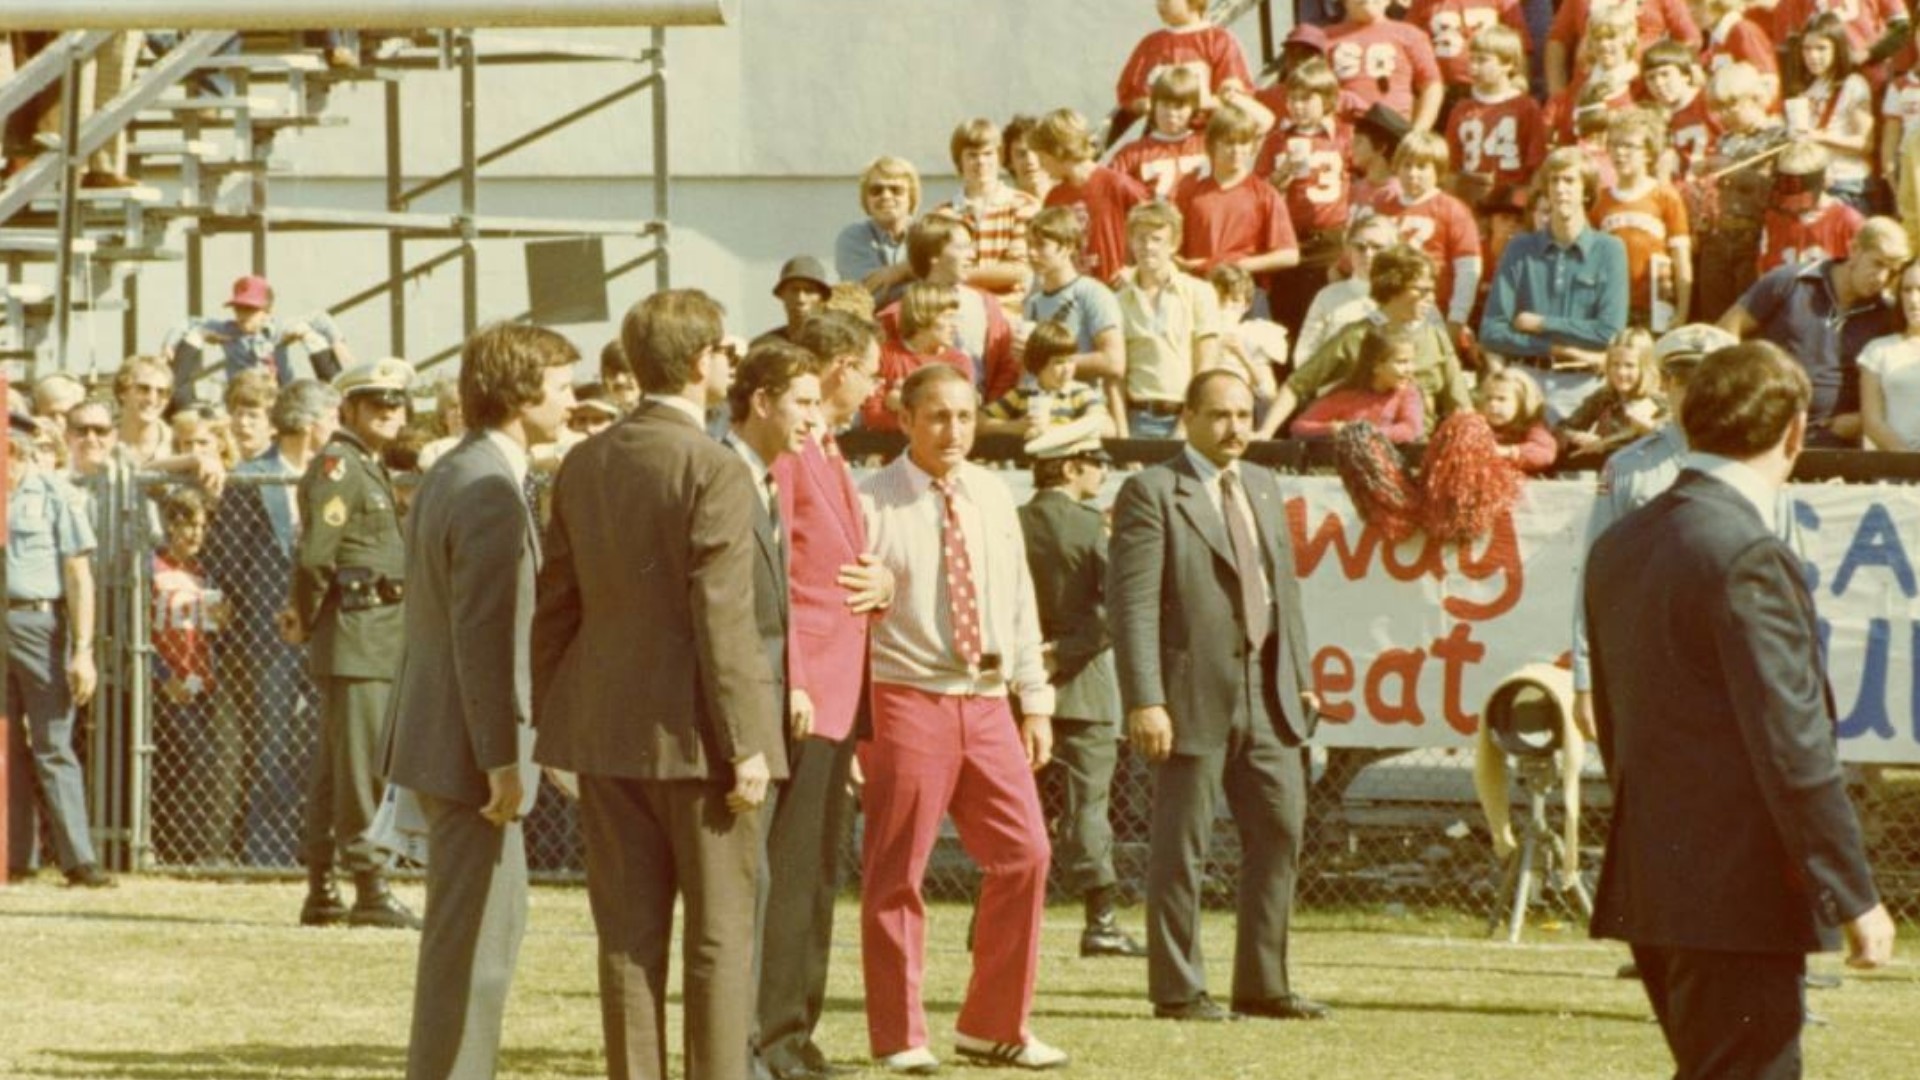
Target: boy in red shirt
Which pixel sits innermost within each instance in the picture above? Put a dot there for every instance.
(1234, 216)
(1187, 41)
(1306, 157)
(1392, 63)
(1673, 79)
(1436, 223)
(1099, 195)
(1495, 134)
(1170, 150)
(1803, 223)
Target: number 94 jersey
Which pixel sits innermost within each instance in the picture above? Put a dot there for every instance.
(1497, 142)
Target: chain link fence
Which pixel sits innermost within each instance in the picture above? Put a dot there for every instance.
(203, 734)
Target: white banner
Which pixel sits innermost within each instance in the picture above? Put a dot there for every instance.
(1408, 640)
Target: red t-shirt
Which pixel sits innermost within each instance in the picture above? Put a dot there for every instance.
(1439, 225)
(896, 363)
(1866, 19)
(1213, 54)
(1691, 131)
(1159, 164)
(1801, 239)
(181, 623)
(1318, 196)
(1744, 41)
(1228, 224)
(1102, 204)
(1500, 140)
(1656, 19)
(1451, 24)
(1386, 62)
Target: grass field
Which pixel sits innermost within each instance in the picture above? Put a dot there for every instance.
(175, 980)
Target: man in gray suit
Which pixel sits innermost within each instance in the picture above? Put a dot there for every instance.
(459, 733)
(651, 682)
(1213, 669)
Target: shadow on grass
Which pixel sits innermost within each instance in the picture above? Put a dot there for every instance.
(344, 1062)
(1600, 972)
(1549, 1010)
(68, 915)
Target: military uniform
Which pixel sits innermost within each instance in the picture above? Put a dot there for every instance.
(347, 594)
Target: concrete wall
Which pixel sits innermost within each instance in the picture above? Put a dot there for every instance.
(769, 121)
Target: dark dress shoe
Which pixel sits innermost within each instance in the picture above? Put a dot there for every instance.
(1628, 970)
(1201, 1010)
(1291, 1007)
(88, 876)
(816, 1062)
(1109, 941)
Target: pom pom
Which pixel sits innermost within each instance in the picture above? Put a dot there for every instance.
(1467, 484)
(1371, 471)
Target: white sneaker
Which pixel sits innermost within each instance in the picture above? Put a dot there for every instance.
(915, 1061)
(1032, 1054)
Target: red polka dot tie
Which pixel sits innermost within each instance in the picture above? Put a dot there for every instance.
(963, 608)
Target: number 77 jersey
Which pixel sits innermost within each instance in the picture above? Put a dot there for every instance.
(1497, 142)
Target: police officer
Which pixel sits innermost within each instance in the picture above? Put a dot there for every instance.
(346, 605)
(1066, 540)
(50, 668)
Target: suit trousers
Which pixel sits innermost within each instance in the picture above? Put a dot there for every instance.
(1727, 1014)
(476, 917)
(803, 864)
(1084, 755)
(40, 731)
(649, 842)
(934, 755)
(1265, 786)
(343, 790)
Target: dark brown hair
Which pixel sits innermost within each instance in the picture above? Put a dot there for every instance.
(1742, 398)
(664, 335)
(503, 369)
(771, 366)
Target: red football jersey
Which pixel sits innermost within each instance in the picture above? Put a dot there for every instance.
(1101, 204)
(1866, 19)
(1226, 224)
(1160, 164)
(1656, 19)
(1451, 25)
(1691, 132)
(1500, 141)
(1213, 54)
(1385, 62)
(1743, 40)
(1827, 233)
(1439, 225)
(1319, 196)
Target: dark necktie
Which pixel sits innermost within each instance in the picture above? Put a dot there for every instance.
(1246, 559)
(963, 609)
(773, 504)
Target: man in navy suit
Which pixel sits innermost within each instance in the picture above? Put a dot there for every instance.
(1733, 850)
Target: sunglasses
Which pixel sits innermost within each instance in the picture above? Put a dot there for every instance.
(877, 190)
(383, 399)
(98, 431)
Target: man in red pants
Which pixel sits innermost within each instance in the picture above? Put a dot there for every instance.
(962, 636)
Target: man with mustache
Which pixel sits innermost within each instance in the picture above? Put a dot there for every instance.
(1213, 666)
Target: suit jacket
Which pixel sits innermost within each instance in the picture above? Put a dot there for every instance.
(1067, 554)
(1179, 635)
(770, 597)
(826, 643)
(462, 698)
(253, 558)
(1731, 826)
(647, 663)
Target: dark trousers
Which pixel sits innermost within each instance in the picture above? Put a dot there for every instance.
(40, 730)
(1727, 1014)
(648, 843)
(344, 787)
(1265, 786)
(1084, 755)
(803, 866)
(1725, 268)
(476, 917)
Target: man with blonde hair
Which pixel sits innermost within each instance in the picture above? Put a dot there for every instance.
(1823, 314)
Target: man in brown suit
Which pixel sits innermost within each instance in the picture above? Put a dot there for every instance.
(650, 682)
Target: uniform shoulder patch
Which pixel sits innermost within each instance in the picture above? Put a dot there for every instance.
(335, 512)
(333, 467)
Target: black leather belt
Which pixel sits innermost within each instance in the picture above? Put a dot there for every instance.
(1154, 408)
(42, 606)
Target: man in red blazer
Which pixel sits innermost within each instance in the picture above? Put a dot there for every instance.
(834, 586)
(650, 681)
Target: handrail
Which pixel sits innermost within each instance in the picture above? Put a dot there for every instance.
(303, 14)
